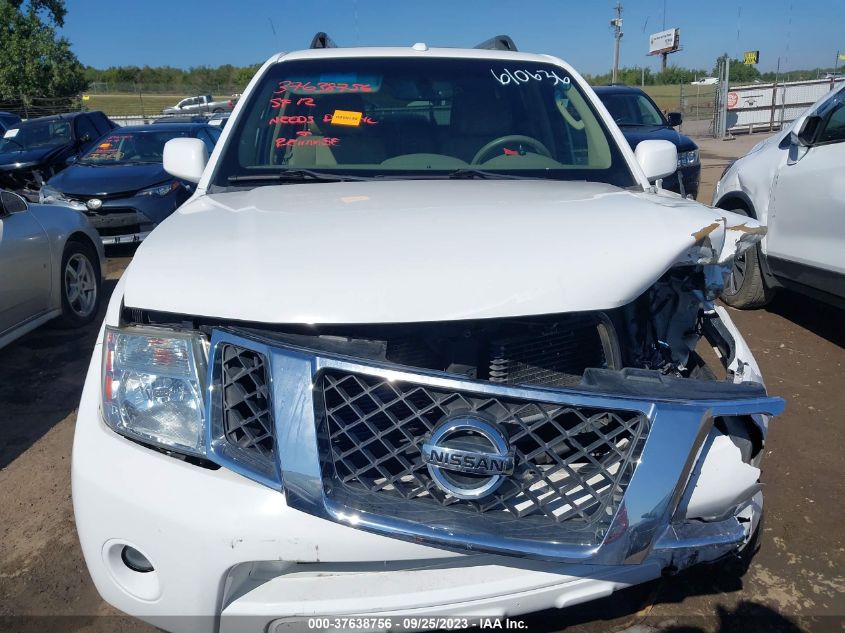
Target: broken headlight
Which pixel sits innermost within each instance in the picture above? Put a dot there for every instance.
(153, 386)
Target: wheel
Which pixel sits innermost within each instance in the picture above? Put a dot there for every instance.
(80, 285)
(745, 288)
(510, 138)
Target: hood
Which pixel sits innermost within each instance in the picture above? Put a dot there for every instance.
(405, 251)
(29, 158)
(635, 134)
(91, 180)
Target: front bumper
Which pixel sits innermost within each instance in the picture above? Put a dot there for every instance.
(128, 220)
(225, 545)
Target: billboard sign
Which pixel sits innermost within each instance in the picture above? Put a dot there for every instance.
(751, 58)
(667, 41)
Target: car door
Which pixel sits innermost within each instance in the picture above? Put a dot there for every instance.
(806, 240)
(25, 270)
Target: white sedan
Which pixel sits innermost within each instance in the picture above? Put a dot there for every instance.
(794, 182)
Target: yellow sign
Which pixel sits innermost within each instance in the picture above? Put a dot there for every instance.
(752, 57)
(86, 97)
(842, 56)
(346, 117)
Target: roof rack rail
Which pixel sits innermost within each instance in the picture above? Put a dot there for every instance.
(498, 43)
(322, 40)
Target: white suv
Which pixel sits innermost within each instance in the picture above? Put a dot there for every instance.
(421, 344)
(794, 183)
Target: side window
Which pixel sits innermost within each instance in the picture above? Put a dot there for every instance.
(84, 128)
(834, 129)
(100, 122)
(206, 138)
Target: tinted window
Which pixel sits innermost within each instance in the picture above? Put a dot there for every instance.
(834, 129)
(84, 127)
(100, 121)
(421, 117)
(632, 109)
(36, 133)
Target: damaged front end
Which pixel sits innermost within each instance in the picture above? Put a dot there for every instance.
(599, 437)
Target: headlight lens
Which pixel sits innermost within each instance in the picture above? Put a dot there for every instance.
(153, 386)
(50, 195)
(687, 159)
(160, 190)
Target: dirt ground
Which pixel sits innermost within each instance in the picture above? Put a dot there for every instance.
(795, 583)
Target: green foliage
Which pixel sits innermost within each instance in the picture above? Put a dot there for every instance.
(34, 62)
(168, 79)
(637, 76)
(740, 73)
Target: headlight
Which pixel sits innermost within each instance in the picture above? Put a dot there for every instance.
(50, 195)
(687, 159)
(153, 386)
(160, 190)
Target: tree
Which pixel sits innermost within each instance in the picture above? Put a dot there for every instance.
(740, 73)
(34, 62)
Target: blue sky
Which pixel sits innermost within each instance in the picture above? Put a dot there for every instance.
(185, 33)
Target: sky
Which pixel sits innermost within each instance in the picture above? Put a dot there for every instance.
(186, 33)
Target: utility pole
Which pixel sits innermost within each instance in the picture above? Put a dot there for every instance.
(616, 23)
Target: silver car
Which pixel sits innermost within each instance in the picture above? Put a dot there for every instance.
(51, 264)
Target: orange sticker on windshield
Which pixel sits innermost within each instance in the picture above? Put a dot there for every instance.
(104, 145)
(346, 117)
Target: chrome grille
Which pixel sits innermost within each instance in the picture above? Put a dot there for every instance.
(573, 463)
(246, 410)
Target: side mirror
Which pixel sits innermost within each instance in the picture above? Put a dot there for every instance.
(657, 158)
(185, 158)
(675, 119)
(805, 133)
(11, 203)
(84, 138)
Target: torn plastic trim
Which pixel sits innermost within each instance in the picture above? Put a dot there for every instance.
(722, 240)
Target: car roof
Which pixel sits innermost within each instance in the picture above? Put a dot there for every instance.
(617, 89)
(160, 127)
(412, 52)
(67, 116)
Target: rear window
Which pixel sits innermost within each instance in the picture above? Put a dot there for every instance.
(393, 117)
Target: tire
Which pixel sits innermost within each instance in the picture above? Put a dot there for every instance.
(80, 281)
(745, 288)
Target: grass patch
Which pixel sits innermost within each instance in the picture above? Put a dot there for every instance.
(134, 105)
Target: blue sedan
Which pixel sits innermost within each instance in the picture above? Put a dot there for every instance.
(121, 185)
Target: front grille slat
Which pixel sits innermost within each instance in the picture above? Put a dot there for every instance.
(573, 463)
(246, 408)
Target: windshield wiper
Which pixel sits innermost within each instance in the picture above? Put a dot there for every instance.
(469, 174)
(295, 175)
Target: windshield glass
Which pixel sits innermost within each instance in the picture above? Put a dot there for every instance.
(397, 117)
(632, 109)
(36, 134)
(131, 147)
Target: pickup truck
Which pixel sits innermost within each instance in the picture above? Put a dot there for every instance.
(201, 103)
(424, 340)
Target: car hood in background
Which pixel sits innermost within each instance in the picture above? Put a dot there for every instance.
(92, 180)
(414, 250)
(635, 134)
(28, 157)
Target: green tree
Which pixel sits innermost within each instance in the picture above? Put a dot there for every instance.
(740, 73)
(34, 62)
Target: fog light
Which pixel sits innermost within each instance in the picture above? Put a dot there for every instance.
(135, 560)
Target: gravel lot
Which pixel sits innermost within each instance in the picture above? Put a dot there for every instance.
(795, 583)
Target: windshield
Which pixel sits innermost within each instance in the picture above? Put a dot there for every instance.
(373, 117)
(632, 109)
(37, 134)
(131, 147)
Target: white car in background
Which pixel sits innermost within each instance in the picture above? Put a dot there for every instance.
(794, 182)
(422, 343)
